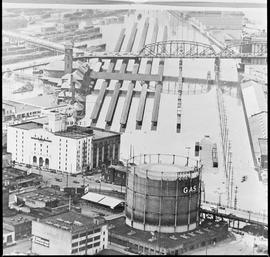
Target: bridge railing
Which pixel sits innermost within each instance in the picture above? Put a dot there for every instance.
(237, 209)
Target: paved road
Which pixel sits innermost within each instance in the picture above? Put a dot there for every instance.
(259, 217)
(65, 180)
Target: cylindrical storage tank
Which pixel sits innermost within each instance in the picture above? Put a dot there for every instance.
(163, 193)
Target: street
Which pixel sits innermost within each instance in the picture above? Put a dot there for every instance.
(66, 180)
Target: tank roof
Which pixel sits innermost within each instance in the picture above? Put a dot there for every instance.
(166, 171)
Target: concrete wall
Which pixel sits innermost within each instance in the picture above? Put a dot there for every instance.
(56, 241)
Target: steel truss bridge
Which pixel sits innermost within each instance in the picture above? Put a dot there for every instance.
(187, 49)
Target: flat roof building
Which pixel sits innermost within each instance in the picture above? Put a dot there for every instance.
(69, 233)
(21, 224)
(53, 145)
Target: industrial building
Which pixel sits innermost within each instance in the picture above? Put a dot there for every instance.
(69, 233)
(104, 200)
(41, 198)
(53, 145)
(16, 179)
(162, 207)
(115, 174)
(163, 194)
(21, 224)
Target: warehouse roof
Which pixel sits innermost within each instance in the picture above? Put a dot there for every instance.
(72, 221)
(20, 107)
(109, 201)
(28, 125)
(17, 219)
(59, 65)
(102, 133)
(263, 146)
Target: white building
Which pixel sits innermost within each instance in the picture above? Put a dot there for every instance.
(8, 237)
(69, 234)
(51, 145)
(48, 143)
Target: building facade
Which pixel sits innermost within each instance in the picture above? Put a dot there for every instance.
(55, 146)
(69, 234)
(20, 224)
(8, 237)
(115, 174)
(106, 148)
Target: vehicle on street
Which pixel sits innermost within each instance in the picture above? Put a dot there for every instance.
(76, 182)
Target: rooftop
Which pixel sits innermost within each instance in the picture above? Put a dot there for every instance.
(20, 107)
(173, 240)
(72, 221)
(28, 125)
(42, 101)
(44, 194)
(75, 132)
(263, 145)
(59, 65)
(17, 219)
(102, 133)
(118, 167)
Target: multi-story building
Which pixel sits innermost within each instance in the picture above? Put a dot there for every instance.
(21, 225)
(53, 145)
(69, 233)
(116, 174)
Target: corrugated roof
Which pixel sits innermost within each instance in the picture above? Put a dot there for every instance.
(109, 201)
(263, 146)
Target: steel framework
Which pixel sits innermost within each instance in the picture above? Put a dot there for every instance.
(179, 49)
(246, 49)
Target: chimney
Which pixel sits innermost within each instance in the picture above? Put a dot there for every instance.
(72, 87)
(68, 58)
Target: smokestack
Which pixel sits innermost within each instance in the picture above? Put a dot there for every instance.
(68, 58)
(72, 87)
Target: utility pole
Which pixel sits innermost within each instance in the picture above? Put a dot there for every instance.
(231, 185)
(235, 198)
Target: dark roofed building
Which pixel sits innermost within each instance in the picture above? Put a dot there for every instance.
(115, 174)
(106, 147)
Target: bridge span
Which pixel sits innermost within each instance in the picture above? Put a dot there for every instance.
(233, 214)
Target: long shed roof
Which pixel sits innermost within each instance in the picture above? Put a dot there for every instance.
(109, 201)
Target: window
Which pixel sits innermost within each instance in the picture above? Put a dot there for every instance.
(82, 249)
(75, 236)
(89, 246)
(96, 238)
(75, 244)
(82, 242)
(96, 244)
(74, 250)
(97, 230)
(83, 234)
(89, 240)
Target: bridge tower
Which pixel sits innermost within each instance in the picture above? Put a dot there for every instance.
(68, 58)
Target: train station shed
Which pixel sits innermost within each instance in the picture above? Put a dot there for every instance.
(105, 200)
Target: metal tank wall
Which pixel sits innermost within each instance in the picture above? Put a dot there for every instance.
(163, 203)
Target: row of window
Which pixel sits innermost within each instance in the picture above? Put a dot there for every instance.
(84, 233)
(84, 247)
